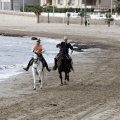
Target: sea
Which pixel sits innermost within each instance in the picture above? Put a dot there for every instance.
(15, 53)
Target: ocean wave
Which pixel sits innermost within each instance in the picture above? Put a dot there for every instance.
(3, 67)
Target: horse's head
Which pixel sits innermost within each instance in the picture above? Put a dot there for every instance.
(35, 58)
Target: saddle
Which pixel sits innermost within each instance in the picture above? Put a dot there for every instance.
(63, 56)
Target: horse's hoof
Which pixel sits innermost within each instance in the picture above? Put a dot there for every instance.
(34, 88)
(65, 83)
(61, 84)
(40, 87)
(39, 81)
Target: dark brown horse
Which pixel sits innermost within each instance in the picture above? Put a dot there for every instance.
(63, 66)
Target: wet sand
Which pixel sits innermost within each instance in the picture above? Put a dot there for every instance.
(93, 92)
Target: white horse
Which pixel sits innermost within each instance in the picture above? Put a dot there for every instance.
(37, 70)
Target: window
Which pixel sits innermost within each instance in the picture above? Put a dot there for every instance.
(60, 2)
(72, 2)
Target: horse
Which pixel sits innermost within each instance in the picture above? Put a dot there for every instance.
(37, 70)
(63, 66)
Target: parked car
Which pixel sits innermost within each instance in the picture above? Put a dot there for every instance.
(87, 16)
(75, 15)
(100, 17)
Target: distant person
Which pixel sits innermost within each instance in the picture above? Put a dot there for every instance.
(88, 22)
(85, 23)
(108, 22)
(64, 50)
(37, 48)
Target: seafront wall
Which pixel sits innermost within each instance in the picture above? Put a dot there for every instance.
(27, 18)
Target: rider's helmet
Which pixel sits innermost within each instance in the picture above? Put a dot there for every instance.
(38, 40)
(65, 39)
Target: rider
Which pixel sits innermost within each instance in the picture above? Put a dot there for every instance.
(37, 48)
(64, 49)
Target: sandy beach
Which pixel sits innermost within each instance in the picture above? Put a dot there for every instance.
(93, 92)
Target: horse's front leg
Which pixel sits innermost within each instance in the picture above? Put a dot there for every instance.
(41, 78)
(34, 77)
(66, 78)
(60, 73)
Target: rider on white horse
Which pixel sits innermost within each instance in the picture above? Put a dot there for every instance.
(38, 48)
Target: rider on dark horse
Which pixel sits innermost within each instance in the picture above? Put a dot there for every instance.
(38, 48)
(64, 50)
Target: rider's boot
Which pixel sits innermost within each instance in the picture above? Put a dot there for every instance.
(72, 67)
(47, 68)
(70, 63)
(26, 69)
(46, 65)
(29, 64)
(55, 64)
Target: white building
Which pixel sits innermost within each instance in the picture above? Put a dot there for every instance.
(16, 4)
(5, 4)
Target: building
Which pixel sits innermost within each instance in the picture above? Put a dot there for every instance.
(4, 4)
(79, 3)
(16, 4)
(97, 4)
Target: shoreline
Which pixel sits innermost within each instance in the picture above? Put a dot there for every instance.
(93, 89)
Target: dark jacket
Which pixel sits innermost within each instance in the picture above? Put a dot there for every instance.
(64, 47)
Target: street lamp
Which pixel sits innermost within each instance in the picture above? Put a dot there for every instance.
(23, 5)
(111, 7)
(0, 4)
(81, 5)
(85, 11)
(47, 9)
(53, 10)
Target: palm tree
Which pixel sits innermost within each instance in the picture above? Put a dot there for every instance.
(37, 10)
(117, 9)
(68, 18)
(81, 14)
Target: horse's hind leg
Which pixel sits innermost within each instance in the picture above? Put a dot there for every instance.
(34, 77)
(41, 78)
(61, 77)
